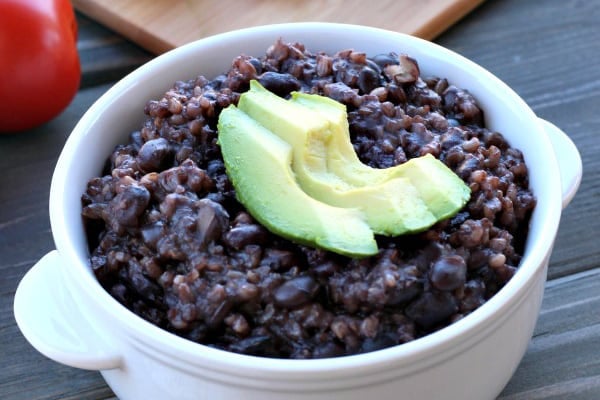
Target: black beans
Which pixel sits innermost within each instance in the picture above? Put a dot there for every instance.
(462, 106)
(432, 308)
(169, 240)
(126, 208)
(279, 260)
(296, 292)
(242, 235)
(212, 221)
(449, 273)
(368, 80)
(280, 84)
(144, 287)
(256, 64)
(383, 60)
(154, 155)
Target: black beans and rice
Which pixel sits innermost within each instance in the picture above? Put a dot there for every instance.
(171, 243)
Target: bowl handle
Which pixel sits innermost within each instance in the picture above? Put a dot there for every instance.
(569, 161)
(54, 324)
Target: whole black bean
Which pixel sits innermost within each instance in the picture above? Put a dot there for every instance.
(432, 308)
(256, 64)
(383, 60)
(155, 155)
(128, 206)
(368, 80)
(448, 273)
(279, 260)
(280, 84)
(373, 65)
(325, 270)
(296, 292)
(243, 235)
(396, 94)
(496, 139)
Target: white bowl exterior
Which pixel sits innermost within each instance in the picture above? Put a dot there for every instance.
(475, 355)
(479, 371)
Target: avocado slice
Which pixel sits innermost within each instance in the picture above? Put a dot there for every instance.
(442, 190)
(302, 129)
(259, 166)
(342, 160)
(391, 206)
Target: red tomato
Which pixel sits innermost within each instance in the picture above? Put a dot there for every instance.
(39, 63)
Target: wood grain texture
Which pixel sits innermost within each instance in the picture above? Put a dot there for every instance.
(547, 50)
(105, 57)
(27, 161)
(161, 25)
(562, 359)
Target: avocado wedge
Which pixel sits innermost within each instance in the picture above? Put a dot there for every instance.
(294, 168)
(391, 206)
(259, 165)
(442, 190)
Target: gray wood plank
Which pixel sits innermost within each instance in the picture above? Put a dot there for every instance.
(24, 237)
(104, 55)
(548, 51)
(562, 359)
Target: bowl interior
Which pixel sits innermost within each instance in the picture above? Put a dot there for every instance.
(120, 111)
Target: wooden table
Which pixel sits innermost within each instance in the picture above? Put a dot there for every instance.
(547, 50)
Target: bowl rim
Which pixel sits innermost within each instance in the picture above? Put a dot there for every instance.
(143, 332)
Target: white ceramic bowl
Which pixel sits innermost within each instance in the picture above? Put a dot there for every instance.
(66, 315)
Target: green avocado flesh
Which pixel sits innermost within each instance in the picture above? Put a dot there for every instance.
(259, 166)
(440, 188)
(294, 168)
(342, 160)
(391, 207)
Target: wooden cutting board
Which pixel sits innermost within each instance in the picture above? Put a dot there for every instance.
(160, 25)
